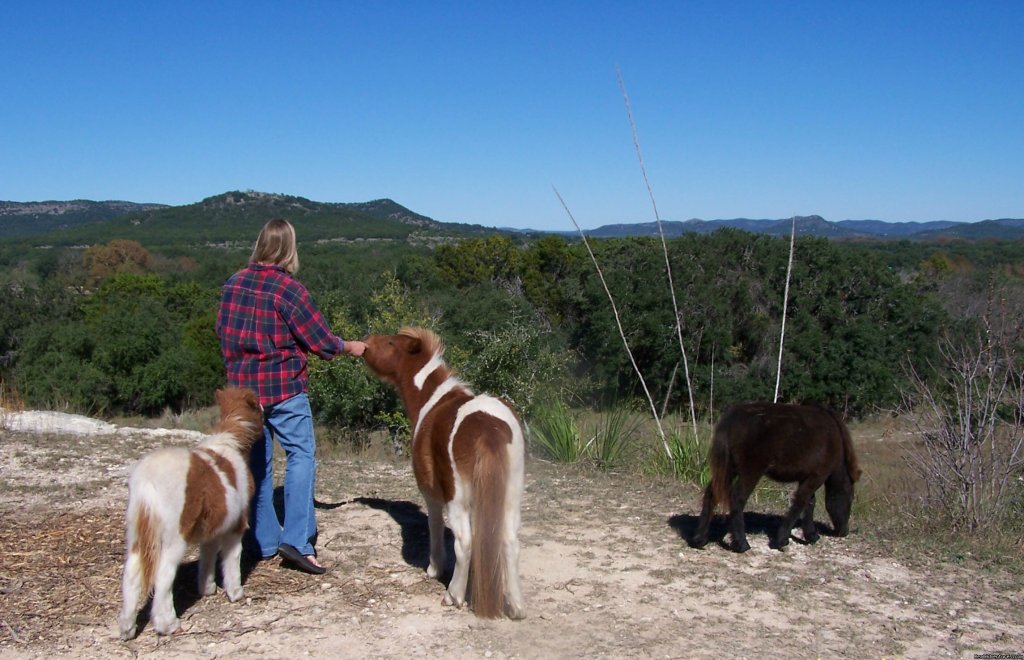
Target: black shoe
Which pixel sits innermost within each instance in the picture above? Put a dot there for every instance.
(291, 554)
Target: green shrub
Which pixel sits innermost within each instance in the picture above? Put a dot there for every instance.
(56, 371)
(343, 392)
(519, 362)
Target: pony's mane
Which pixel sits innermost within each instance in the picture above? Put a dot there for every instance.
(432, 344)
(239, 427)
(241, 416)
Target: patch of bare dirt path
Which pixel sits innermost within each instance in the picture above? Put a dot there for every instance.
(606, 574)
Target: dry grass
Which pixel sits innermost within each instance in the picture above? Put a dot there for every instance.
(66, 564)
(66, 568)
(201, 420)
(891, 509)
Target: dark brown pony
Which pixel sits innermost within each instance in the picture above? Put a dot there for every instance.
(467, 456)
(806, 444)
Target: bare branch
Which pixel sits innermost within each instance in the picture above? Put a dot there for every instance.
(785, 305)
(664, 247)
(618, 324)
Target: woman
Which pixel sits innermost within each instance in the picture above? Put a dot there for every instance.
(267, 324)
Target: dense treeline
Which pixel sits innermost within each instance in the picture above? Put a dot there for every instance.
(852, 323)
(117, 329)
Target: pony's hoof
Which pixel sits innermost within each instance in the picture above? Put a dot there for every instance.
(697, 544)
(740, 546)
(234, 595)
(812, 538)
(208, 589)
(167, 628)
(779, 544)
(515, 612)
(451, 600)
(432, 572)
(129, 633)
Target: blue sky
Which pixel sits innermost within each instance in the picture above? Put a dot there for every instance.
(476, 111)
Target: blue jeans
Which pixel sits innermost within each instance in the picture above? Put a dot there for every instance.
(291, 422)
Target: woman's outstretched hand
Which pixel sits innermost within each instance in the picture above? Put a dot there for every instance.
(355, 348)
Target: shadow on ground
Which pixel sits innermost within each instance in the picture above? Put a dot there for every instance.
(756, 524)
(415, 531)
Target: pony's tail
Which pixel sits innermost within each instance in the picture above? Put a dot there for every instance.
(720, 477)
(142, 555)
(146, 545)
(487, 560)
(852, 466)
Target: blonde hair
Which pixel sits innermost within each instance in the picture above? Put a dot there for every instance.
(276, 246)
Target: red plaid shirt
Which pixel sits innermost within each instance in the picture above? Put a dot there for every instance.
(267, 323)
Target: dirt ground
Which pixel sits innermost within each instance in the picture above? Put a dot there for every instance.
(606, 573)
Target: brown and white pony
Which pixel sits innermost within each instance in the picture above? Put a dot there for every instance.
(467, 455)
(178, 497)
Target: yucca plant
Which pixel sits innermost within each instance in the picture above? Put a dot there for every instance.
(555, 431)
(688, 458)
(611, 440)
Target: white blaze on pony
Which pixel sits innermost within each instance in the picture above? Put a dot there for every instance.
(467, 453)
(179, 496)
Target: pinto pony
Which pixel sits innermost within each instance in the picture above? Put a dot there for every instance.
(467, 455)
(807, 444)
(178, 497)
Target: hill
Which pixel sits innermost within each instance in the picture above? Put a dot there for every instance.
(985, 230)
(32, 218)
(815, 225)
(234, 217)
(895, 230)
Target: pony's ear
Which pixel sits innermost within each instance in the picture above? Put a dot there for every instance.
(415, 345)
(219, 395)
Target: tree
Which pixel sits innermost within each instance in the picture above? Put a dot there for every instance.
(478, 260)
(117, 256)
(137, 347)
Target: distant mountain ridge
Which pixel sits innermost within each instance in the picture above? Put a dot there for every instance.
(234, 215)
(227, 218)
(815, 225)
(894, 229)
(28, 218)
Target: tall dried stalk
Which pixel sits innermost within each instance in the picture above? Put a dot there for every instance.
(618, 324)
(711, 393)
(971, 422)
(668, 391)
(664, 248)
(785, 305)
